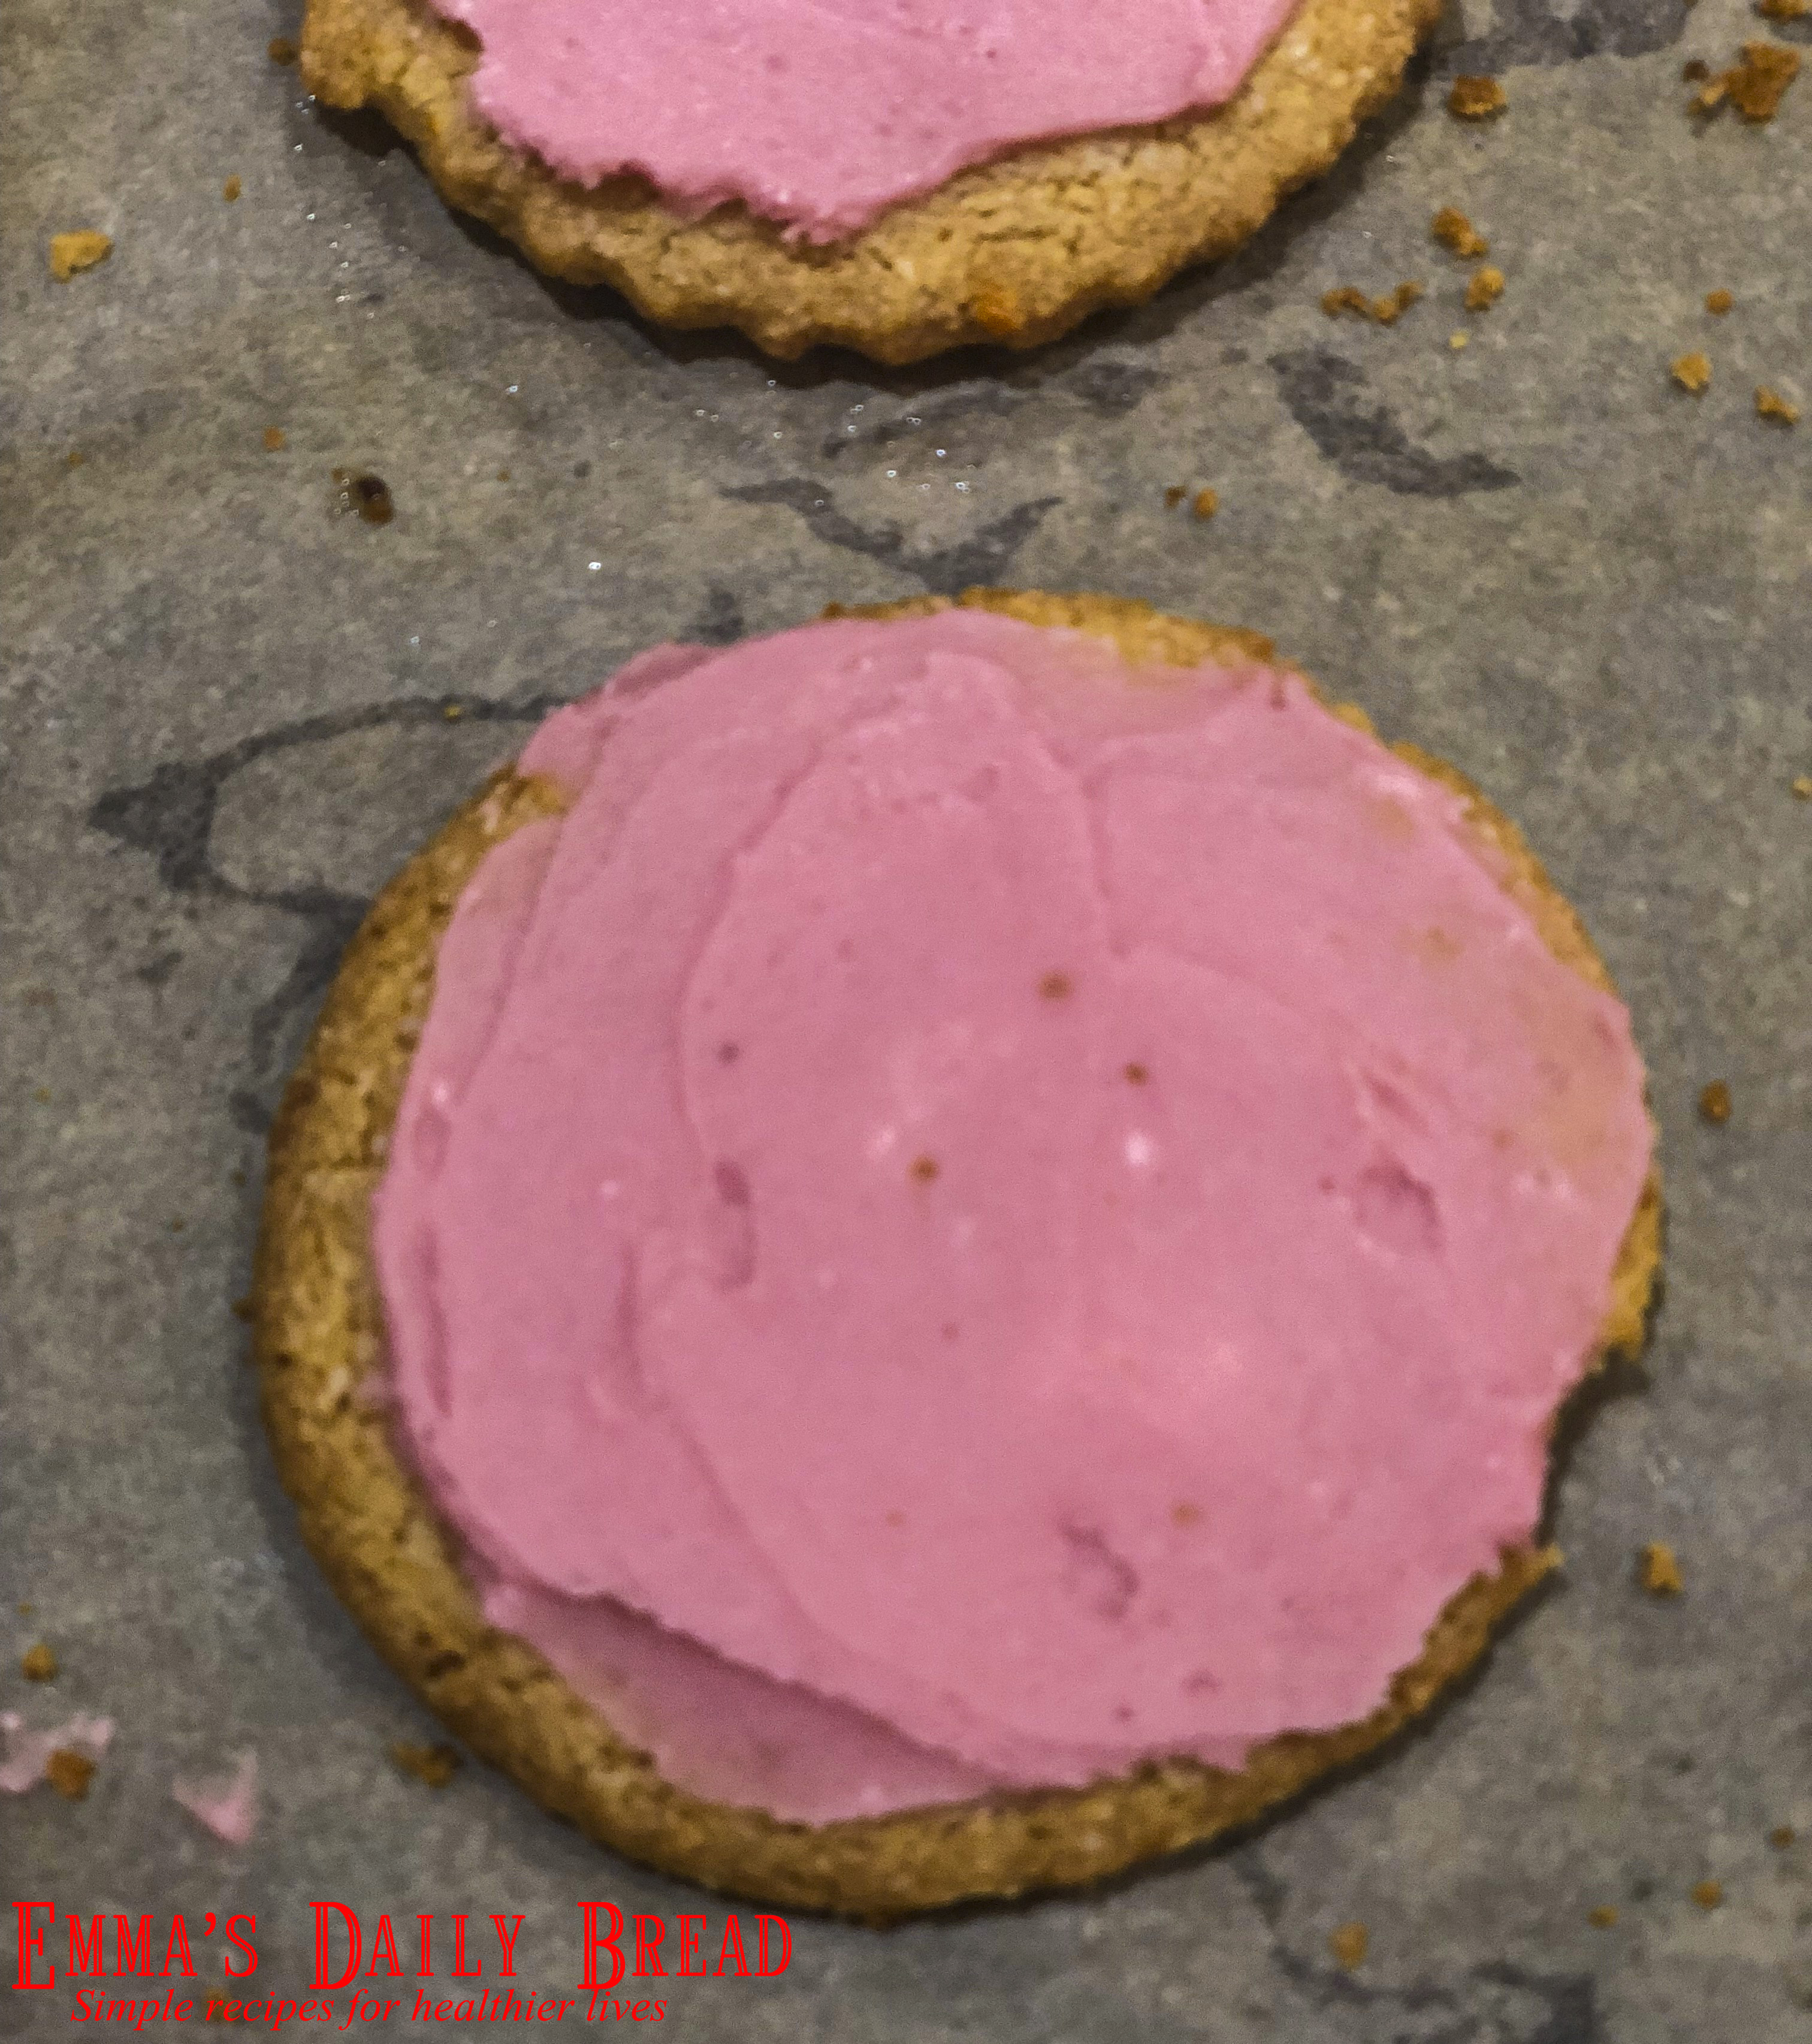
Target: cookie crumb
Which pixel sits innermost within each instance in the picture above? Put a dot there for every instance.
(1485, 289)
(69, 1773)
(1055, 986)
(1715, 1103)
(1755, 87)
(1771, 404)
(1456, 341)
(1476, 98)
(1708, 1894)
(1661, 1570)
(1783, 11)
(1802, 787)
(1692, 372)
(1137, 1074)
(452, 711)
(1175, 495)
(1694, 70)
(74, 458)
(1185, 1515)
(39, 1664)
(1387, 311)
(1204, 504)
(280, 50)
(1349, 1944)
(924, 1169)
(276, 440)
(231, 190)
(1601, 1918)
(1717, 303)
(368, 495)
(1454, 231)
(1781, 1837)
(433, 1766)
(1346, 299)
(80, 249)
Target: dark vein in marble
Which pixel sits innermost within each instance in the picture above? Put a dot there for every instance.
(1327, 397)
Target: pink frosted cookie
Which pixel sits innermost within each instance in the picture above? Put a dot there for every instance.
(901, 177)
(978, 1218)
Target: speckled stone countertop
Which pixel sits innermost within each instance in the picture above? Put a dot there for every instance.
(225, 723)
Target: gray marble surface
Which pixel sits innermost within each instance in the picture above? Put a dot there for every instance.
(223, 724)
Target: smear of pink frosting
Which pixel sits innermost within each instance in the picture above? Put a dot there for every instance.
(965, 1216)
(26, 1752)
(226, 1804)
(820, 113)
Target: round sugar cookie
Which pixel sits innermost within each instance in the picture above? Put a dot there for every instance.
(1015, 249)
(366, 1512)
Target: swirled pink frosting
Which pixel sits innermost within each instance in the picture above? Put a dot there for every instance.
(820, 113)
(969, 1216)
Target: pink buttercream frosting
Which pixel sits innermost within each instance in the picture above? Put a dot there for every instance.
(967, 1216)
(820, 113)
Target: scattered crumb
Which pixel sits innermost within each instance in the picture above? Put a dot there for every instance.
(1485, 289)
(1718, 303)
(452, 711)
(1387, 311)
(69, 1773)
(1802, 787)
(1175, 495)
(1452, 229)
(1660, 1571)
(39, 1664)
(1771, 404)
(1715, 1102)
(75, 457)
(276, 440)
(1348, 1945)
(280, 50)
(1476, 98)
(1781, 1837)
(1708, 1894)
(1755, 87)
(25, 1756)
(1055, 986)
(25, 1610)
(503, 475)
(368, 495)
(433, 1765)
(924, 1169)
(1692, 372)
(231, 190)
(1693, 69)
(1602, 1917)
(1783, 11)
(1137, 1074)
(81, 250)
(1204, 504)
(1456, 341)
(1185, 1515)
(227, 1804)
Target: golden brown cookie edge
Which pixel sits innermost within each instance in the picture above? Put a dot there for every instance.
(1016, 250)
(317, 1328)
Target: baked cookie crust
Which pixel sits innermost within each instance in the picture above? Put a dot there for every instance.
(1017, 250)
(319, 1342)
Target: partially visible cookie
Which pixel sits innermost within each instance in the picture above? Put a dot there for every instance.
(1016, 250)
(370, 1523)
